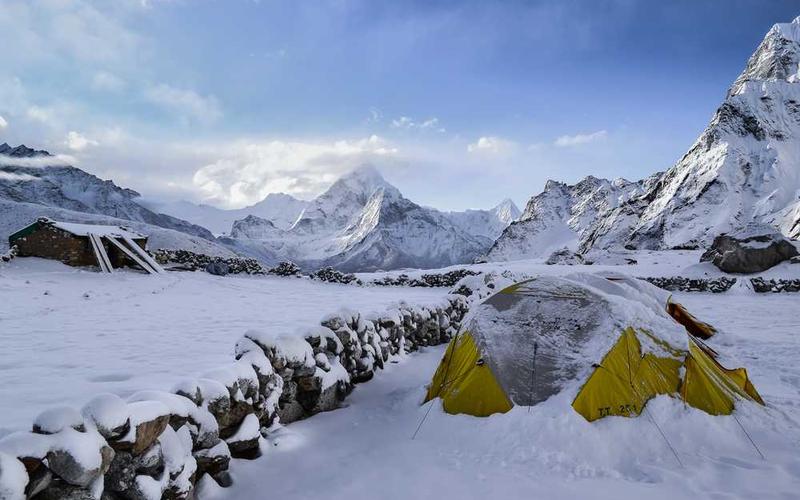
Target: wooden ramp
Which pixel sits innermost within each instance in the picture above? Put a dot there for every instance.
(100, 253)
(144, 255)
(130, 253)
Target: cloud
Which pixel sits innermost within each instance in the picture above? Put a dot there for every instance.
(38, 161)
(248, 171)
(187, 103)
(40, 114)
(578, 139)
(78, 142)
(107, 82)
(407, 123)
(3, 123)
(491, 144)
(11, 176)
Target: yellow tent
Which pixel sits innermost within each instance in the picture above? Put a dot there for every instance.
(530, 340)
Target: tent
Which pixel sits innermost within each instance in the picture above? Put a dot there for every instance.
(539, 337)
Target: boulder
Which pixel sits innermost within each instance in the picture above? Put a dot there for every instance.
(749, 252)
(217, 268)
(245, 442)
(79, 459)
(109, 414)
(564, 256)
(57, 419)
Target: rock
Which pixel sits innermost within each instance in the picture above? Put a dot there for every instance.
(285, 268)
(214, 460)
(125, 467)
(57, 419)
(217, 268)
(750, 251)
(148, 420)
(39, 478)
(109, 414)
(245, 442)
(80, 459)
(61, 490)
(564, 256)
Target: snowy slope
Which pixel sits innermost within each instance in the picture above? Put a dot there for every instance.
(28, 176)
(560, 215)
(279, 208)
(361, 223)
(486, 223)
(745, 167)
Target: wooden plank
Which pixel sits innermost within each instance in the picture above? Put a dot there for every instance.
(100, 253)
(144, 255)
(130, 254)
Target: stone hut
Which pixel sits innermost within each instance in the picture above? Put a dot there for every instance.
(74, 244)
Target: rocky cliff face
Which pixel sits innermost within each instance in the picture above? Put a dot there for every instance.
(743, 169)
(561, 216)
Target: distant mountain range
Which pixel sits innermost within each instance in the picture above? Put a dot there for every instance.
(743, 169)
(363, 223)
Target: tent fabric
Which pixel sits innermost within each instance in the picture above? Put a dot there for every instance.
(533, 339)
(625, 380)
(710, 387)
(693, 325)
(462, 374)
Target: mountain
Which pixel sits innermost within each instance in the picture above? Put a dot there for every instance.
(560, 216)
(360, 223)
(744, 169)
(486, 223)
(279, 208)
(33, 184)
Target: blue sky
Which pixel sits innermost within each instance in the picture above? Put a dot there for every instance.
(460, 104)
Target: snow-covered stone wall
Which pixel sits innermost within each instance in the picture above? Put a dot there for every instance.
(164, 445)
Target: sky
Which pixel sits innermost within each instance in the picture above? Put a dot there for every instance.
(459, 104)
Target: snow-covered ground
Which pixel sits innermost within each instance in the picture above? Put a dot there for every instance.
(648, 263)
(67, 334)
(550, 451)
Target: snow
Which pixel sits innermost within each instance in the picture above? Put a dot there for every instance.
(106, 411)
(57, 419)
(550, 451)
(98, 229)
(13, 478)
(248, 429)
(93, 334)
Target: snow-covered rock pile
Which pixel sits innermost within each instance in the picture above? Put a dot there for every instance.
(564, 256)
(157, 444)
(681, 284)
(10, 254)
(478, 287)
(195, 261)
(761, 285)
(750, 252)
(318, 371)
(430, 280)
(331, 275)
(285, 268)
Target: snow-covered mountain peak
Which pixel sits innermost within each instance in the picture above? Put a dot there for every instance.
(21, 151)
(506, 211)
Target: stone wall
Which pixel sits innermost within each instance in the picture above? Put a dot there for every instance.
(158, 444)
(681, 284)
